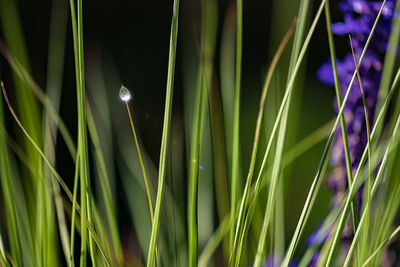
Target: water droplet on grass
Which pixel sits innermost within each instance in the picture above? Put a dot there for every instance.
(124, 94)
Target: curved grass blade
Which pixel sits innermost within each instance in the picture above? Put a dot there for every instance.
(8, 193)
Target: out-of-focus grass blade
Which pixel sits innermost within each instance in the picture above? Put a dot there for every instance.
(369, 181)
(39, 204)
(8, 193)
(55, 67)
(42, 97)
(105, 186)
(54, 171)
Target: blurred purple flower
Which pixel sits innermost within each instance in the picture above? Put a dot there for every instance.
(273, 262)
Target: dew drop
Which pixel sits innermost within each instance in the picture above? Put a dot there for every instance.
(124, 94)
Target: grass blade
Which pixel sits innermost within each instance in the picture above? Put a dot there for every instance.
(235, 190)
(166, 134)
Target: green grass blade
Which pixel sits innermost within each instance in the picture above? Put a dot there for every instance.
(77, 29)
(74, 208)
(105, 186)
(166, 134)
(8, 194)
(55, 67)
(235, 190)
(369, 182)
(349, 170)
(42, 97)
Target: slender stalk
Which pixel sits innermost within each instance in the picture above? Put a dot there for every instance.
(141, 162)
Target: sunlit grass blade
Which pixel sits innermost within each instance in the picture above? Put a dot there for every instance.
(369, 181)
(349, 170)
(166, 134)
